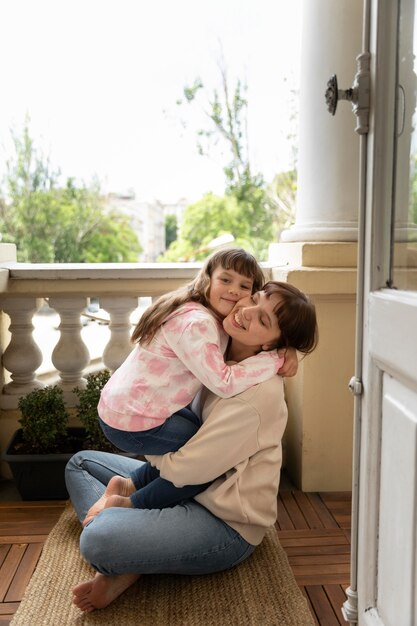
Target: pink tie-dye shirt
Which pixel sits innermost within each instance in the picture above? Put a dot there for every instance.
(164, 376)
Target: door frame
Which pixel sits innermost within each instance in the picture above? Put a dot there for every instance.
(383, 29)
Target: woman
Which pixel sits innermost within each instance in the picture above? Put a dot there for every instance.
(237, 449)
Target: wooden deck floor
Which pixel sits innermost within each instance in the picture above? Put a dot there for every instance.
(314, 529)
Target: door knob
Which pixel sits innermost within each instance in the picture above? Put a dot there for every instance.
(333, 94)
(358, 94)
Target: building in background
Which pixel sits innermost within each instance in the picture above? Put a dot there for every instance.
(147, 219)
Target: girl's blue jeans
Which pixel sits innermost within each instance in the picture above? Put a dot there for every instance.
(184, 539)
(154, 492)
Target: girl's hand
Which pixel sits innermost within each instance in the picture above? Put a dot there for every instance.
(290, 366)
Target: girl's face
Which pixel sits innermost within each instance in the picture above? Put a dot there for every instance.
(253, 322)
(226, 288)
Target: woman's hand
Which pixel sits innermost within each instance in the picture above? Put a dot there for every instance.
(290, 366)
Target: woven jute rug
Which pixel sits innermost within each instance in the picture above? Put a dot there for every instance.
(259, 592)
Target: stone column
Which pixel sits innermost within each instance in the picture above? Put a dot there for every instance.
(318, 254)
(328, 168)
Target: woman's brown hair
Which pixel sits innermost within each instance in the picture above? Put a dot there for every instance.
(296, 315)
(198, 289)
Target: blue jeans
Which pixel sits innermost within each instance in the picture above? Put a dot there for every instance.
(185, 539)
(154, 492)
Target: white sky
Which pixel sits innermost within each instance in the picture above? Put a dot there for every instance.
(100, 80)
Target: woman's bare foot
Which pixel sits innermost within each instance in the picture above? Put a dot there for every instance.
(118, 501)
(101, 591)
(117, 486)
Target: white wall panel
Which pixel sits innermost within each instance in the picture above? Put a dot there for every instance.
(397, 528)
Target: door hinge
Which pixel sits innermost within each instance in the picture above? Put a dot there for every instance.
(355, 386)
(358, 94)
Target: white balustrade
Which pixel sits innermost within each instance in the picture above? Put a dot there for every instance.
(22, 356)
(67, 287)
(119, 345)
(70, 355)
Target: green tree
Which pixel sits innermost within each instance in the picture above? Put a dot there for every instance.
(179, 250)
(171, 229)
(226, 112)
(52, 223)
(204, 221)
(210, 217)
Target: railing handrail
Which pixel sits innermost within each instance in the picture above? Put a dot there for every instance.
(52, 271)
(97, 271)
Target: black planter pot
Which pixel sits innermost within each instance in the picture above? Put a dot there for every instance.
(41, 476)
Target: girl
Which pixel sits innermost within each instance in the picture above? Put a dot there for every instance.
(181, 346)
(276, 317)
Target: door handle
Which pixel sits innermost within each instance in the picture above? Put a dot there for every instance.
(358, 94)
(333, 94)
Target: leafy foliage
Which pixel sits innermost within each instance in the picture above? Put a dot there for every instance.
(209, 217)
(51, 223)
(44, 419)
(171, 229)
(247, 210)
(86, 410)
(205, 220)
(283, 192)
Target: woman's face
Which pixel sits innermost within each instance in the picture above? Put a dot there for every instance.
(253, 322)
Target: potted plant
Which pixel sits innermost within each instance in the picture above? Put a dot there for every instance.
(39, 450)
(86, 411)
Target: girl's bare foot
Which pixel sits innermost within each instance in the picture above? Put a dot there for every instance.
(117, 486)
(101, 591)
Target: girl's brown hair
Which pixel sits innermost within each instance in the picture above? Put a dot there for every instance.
(296, 315)
(198, 289)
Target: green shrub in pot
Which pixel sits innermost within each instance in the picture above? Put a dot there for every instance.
(44, 421)
(38, 451)
(86, 411)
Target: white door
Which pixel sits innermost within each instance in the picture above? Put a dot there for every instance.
(385, 556)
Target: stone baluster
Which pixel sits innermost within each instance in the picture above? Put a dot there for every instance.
(119, 345)
(70, 355)
(22, 356)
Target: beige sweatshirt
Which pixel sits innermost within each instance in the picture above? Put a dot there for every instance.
(239, 448)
